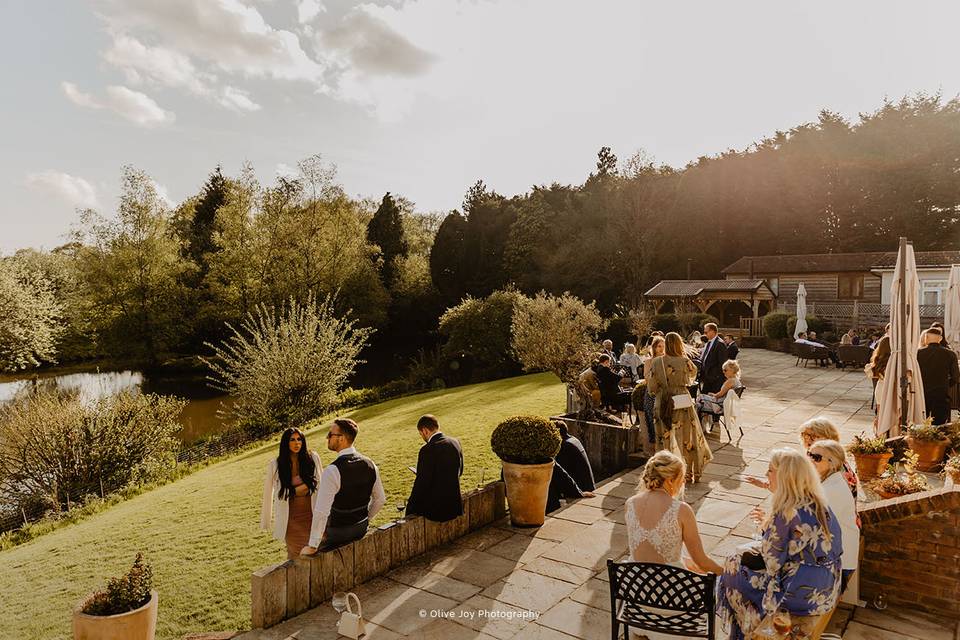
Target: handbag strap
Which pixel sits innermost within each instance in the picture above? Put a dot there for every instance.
(359, 611)
(666, 381)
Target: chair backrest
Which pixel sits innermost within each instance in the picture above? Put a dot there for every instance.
(739, 391)
(803, 350)
(661, 585)
(856, 353)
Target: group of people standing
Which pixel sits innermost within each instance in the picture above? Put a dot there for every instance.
(314, 507)
(806, 547)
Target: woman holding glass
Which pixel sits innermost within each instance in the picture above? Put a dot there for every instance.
(795, 568)
(290, 491)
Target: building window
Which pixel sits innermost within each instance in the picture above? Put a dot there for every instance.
(850, 286)
(774, 284)
(931, 291)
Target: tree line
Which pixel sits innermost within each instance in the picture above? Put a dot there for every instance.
(149, 281)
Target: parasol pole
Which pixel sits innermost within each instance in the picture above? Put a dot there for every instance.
(903, 331)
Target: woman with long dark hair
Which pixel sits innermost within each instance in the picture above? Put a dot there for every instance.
(290, 489)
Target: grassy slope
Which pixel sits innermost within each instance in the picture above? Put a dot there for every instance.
(201, 532)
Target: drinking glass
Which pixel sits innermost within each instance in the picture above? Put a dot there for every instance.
(339, 601)
(401, 505)
(483, 475)
(781, 622)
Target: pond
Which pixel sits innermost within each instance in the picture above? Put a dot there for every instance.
(199, 417)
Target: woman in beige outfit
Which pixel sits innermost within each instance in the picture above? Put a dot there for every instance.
(670, 375)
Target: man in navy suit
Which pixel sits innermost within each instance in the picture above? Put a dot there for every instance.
(712, 357)
(436, 490)
(733, 350)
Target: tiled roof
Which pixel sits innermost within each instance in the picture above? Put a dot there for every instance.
(691, 288)
(833, 262)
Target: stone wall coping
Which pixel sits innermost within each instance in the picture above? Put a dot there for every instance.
(911, 505)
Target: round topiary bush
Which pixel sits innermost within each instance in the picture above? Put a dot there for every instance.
(775, 325)
(666, 322)
(525, 440)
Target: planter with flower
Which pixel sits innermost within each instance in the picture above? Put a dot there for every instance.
(527, 446)
(126, 610)
(952, 468)
(901, 480)
(930, 443)
(871, 455)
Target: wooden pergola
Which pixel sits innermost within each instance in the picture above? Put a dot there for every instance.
(713, 296)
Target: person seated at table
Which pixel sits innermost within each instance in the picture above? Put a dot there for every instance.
(850, 337)
(829, 458)
(694, 339)
(351, 492)
(436, 489)
(808, 339)
(611, 397)
(796, 567)
(573, 458)
(589, 381)
(631, 361)
(711, 404)
(608, 349)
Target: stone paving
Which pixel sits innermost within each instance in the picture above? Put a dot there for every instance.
(551, 582)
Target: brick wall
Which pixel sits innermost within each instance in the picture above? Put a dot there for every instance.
(911, 551)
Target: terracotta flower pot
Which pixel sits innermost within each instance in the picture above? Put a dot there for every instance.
(871, 465)
(139, 624)
(527, 486)
(929, 452)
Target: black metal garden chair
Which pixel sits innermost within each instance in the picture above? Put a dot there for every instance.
(685, 598)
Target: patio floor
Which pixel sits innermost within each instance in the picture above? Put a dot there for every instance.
(551, 582)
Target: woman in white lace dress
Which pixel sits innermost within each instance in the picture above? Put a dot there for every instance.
(659, 524)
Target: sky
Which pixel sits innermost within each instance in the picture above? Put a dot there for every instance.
(424, 97)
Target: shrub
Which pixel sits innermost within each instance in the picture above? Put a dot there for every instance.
(926, 432)
(525, 440)
(53, 444)
(666, 322)
(813, 324)
(556, 334)
(123, 594)
(775, 325)
(479, 329)
(690, 322)
(862, 444)
(286, 366)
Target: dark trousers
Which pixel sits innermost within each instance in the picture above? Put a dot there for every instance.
(938, 407)
(342, 535)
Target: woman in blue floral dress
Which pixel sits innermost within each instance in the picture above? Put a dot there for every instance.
(797, 564)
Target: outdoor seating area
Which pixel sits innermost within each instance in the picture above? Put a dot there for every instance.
(554, 581)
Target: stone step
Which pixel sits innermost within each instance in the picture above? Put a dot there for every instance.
(212, 635)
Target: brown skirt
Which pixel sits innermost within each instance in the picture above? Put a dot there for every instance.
(298, 526)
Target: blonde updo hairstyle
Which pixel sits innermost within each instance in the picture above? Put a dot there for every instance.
(732, 365)
(818, 428)
(662, 467)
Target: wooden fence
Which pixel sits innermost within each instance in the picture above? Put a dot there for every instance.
(285, 590)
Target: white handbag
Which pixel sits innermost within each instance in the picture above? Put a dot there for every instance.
(680, 401)
(351, 624)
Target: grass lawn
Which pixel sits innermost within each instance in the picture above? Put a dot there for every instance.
(201, 533)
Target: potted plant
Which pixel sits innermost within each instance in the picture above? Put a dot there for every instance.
(894, 483)
(952, 468)
(126, 610)
(871, 455)
(930, 443)
(526, 445)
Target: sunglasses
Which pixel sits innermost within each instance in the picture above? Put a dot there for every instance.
(816, 457)
(333, 435)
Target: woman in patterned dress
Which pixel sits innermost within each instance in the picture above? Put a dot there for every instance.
(796, 567)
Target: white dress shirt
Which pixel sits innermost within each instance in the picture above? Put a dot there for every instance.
(708, 347)
(273, 507)
(844, 507)
(329, 486)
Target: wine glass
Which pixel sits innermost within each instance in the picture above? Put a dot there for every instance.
(339, 601)
(401, 505)
(880, 602)
(781, 622)
(483, 475)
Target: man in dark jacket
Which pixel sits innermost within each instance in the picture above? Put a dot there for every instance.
(436, 489)
(712, 358)
(939, 371)
(562, 485)
(609, 381)
(573, 458)
(733, 349)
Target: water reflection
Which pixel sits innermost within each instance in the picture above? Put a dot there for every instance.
(198, 418)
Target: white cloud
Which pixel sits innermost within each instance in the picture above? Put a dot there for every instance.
(73, 190)
(307, 10)
(286, 171)
(237, 100)
(225, 33)
(371, 46)
(155, 64)
(162, 193)
(136, 107)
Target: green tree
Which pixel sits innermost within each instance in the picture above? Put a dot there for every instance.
(479, 330)
(448, 266)
(30, 317)
(131, 269)
(200, 242)
(386, 230)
